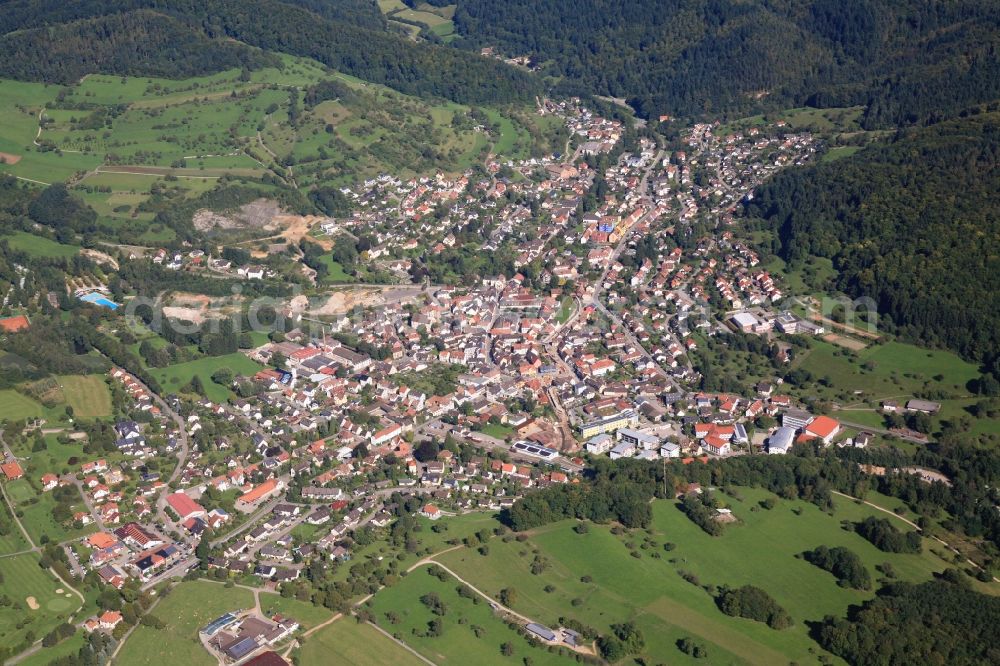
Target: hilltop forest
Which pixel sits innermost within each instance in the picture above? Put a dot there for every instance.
(59, 42)
(913, 223)
(905, 62)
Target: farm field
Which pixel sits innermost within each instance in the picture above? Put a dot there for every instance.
(173, 377)
(186, 609)
(399, 611)
(649, 590)
(347, 642)
(88, 395)
(24, 579)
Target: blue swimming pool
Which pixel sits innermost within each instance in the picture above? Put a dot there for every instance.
(98, 299)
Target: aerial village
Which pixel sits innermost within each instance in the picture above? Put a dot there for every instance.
(438, 400)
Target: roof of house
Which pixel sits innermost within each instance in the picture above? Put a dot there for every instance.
(822, 427)
(260, 491)
(269, 658)
(184, 505)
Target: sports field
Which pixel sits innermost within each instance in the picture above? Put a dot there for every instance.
(648, 587)
(35, 603)
(186, 609)
(347, 642)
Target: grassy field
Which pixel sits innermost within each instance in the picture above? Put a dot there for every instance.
(428, 540)
(497, 430)
(649, 590)
(892, 370)
(306, 614)
(347, 642)
(88, 395)
(175, 376)
(458, 643)
(14, 406)
(13, 541)
(54, 458)
(839, 152)
(23, 578)
(186, 609)
(37, 515)
(37, 246)
(70, 646)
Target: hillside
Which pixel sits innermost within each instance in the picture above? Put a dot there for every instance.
(59, 42)
(912, 223)
(906, 62)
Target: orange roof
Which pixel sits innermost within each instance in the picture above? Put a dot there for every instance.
(431, 509)
(184, 505)
(14, 324)
(260, 491)
(101, 540)
(822, 427)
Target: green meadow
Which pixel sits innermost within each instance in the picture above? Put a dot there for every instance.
(36, 513)
(400, 612)
(15, 406)
(186, 609)
(173, 377)
(39, 246)
(13, 541)
(88, 395)
(646, 587)
(348, 642)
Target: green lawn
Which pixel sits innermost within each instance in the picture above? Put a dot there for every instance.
(891, 370)
(13, 541)
(458, 643)
(23, 578)
(306, 614)
(648, 589)
(88, 395)
(37, 515)
(175, 376)
(70, 646)
(15, 406)
(186, 609)
(38, 246)
(347, 642)
(497, 430)
(55, 457)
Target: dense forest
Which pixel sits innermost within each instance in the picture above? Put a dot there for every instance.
(61, 41)
(906, 62)
(913, 223)
(931, 623)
